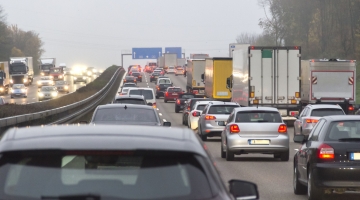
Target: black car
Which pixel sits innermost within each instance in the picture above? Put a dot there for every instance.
(181, 101)
(161, 89)
(328, 161)
(187, 108)
(154, 76)
(129, 79)
(137, 75)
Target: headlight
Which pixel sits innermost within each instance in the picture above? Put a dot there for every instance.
(42, 74)
(66, 87)
(75, 78)
(41, 94)
(11, 81)
(1, 89)
(60, 76)
(54, 94)
(84, 77)
(52, 82)
(25, 80)
(39, 83)
(12, 91)
(23, 90)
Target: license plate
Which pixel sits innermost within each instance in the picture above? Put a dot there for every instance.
(354, 156)
(221, 123)
(174, 99)
(156, 77)
(201, 91)
(181, 106)
(259, 142)
(175, 94)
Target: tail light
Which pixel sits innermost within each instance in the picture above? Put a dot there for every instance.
(195, 91)
(311, 121)
(234, 128)
(195, 114)
(135, 80)
(154, 105)
(188, 108)
(282, 128)
(210, 117)
(178, 101)
(139, 76)
(167, 94)
(351, 108)
(326, 152)
(124, 80)
(152, 76)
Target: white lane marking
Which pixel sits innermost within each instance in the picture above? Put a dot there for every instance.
(296, 149)
(160, 114)
(164, 120)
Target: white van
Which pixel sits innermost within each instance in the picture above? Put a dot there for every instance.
(148, 93)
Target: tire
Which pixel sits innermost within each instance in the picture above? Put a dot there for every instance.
(186, 122)
(11, 97)
(25, 96)
(175, 74)
(165, 101)
(313, 192)
(285, 156)
(177, 110)
(298, 187)
(222, 152)
(229, 155)
(203, 137)
(157, 97)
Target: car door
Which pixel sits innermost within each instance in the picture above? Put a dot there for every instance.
(298, 122)
(202, 116)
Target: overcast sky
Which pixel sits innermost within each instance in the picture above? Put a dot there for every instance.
(96, 32)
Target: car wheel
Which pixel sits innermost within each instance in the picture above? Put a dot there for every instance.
(165, 101)
(25, 96)
(229, 155)
(298, 187)
(285, 156)
(175, 74)
(11, 97)
(203, 136)
(157, 97)
(313, 192)
(177, 110)
(186, 121)
(222, 152)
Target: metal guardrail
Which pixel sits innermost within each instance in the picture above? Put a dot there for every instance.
(9, 121)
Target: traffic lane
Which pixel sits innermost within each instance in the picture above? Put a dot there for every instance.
(179, 80)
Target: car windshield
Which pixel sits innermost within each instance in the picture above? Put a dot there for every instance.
(171, 67)
(164, 81)
(129, 78)
(18, 86)
(60, 82)
(48, 89)
(125, 115)
(148, 94)
(155, 74)
(130, 101)
(222, 109)
(174, 90)
(326, 112)
(201, 107)
(55, 70)
(109, 174)
(258, 116)
(343, 130)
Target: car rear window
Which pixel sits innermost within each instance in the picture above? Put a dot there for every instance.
(258, 116)
(187, 96)
(326, 112)
(164, 81)
(349, 129)
(174, 90)
(163, 85)
(135, 74)
(171, 67)
(130, 101)
(200, 107)
(125, 115)
(222, 109)
(193, 101)
(129, 77)
(109, 174)
(148, 94)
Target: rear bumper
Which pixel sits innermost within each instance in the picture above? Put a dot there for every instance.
(239, 144)
(210, 130)
(170, 98)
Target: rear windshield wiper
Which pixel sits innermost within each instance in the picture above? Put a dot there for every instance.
(349, 139)
(75, 197)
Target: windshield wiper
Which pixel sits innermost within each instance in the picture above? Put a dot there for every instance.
(349, 139)
(75, 197)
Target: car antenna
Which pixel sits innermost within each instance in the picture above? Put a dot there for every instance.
(125, 107)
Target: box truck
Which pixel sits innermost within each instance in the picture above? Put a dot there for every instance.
(21, 70)
(170, 59)
(195, 69)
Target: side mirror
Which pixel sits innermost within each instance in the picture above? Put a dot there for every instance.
(300, 139)
(149, 104)
(167, 124)
(243, 189)
(202, 76)
(83, 122)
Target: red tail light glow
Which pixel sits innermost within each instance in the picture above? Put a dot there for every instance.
(351, 108)
(154, 105)
(195, 91)
(167, 94)
(326, 152)
(234, 128)
(282, 128)
(195, 114)
(178, 101)
(311, 121)
(210, 117)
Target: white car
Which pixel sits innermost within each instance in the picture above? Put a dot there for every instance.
(45, 81)
(194, 115)
(18, 90)
(148, 93)
(179, 71)
(163, 81)
(171, 70)
(47, 92)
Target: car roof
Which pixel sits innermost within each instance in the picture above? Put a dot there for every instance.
(140, 88)
(341, 117)
(255, 108)
(100, 137)
(205, 102)
(324, 106)
(224, 103)
(123, 106)
(131, 96)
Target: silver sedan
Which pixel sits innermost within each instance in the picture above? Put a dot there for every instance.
(255, 130)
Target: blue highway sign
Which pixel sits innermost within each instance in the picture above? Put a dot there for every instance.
(176, 50)
(146, 53)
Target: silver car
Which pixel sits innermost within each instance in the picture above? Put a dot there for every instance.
(193, 116)
(18, 90)
(47, 92)
(255, 130)
(311, 114)
(213, 118)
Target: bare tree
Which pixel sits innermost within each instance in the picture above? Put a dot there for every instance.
(247, 38)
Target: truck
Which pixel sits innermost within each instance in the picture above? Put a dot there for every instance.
(217, 70)
(267, 76)
(62, 65)
(21, 70)
(194, 83)
(4, 78)
(170, 59)
(57, 73)
(181, 62)
(199, 56)
(45, 65)
(234, 46)
(160, 62)
(329, 81)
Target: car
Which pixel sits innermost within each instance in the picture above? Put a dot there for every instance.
(127, 114)
(161, 88)
(135, 69)
(255, 130)
(62, 86)
(171, 70)
(154, 76)
(172, 93)
(188, 108)
(163, 79)
(67, 71)
(160, 70)
(18, 90)
(311, 114)
(181, 101)
(138, 76)
(193, 116)
(45, 81)
(131, 99)
(213, 117)
(328, 159)
(179, 71)
(148, 69)
(2, 101)
(125, 88)
(47, 92)
(148, 93)
(79, 78)
(129, 79)
(108, 162)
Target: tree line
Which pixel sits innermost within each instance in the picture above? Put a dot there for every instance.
(323, 28)
(15, 42)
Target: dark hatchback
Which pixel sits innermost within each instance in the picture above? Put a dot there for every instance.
(110, 163)
(328, 162)
(181, 101)
(154, 76)
(188, 108)
(137, 75)
(130, 79)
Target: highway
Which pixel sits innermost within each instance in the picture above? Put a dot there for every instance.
(273, 177)
(32, 91)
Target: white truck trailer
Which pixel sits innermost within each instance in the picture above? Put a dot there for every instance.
(234, 46)
(329, 81)
(181, 62)
(160, 62)
(267, 76)
(170, 59)
(195, 84)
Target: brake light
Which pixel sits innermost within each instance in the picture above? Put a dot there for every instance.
(124, 80)
(282, 128)
(178, 101)
(210, 117)
(195, 114)
(167, 94)
(139, 76)
(195, 91)
(154, 105)
(188, 108)
(326, 152)
(351, 108)
(311, 121)
(234, 128)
